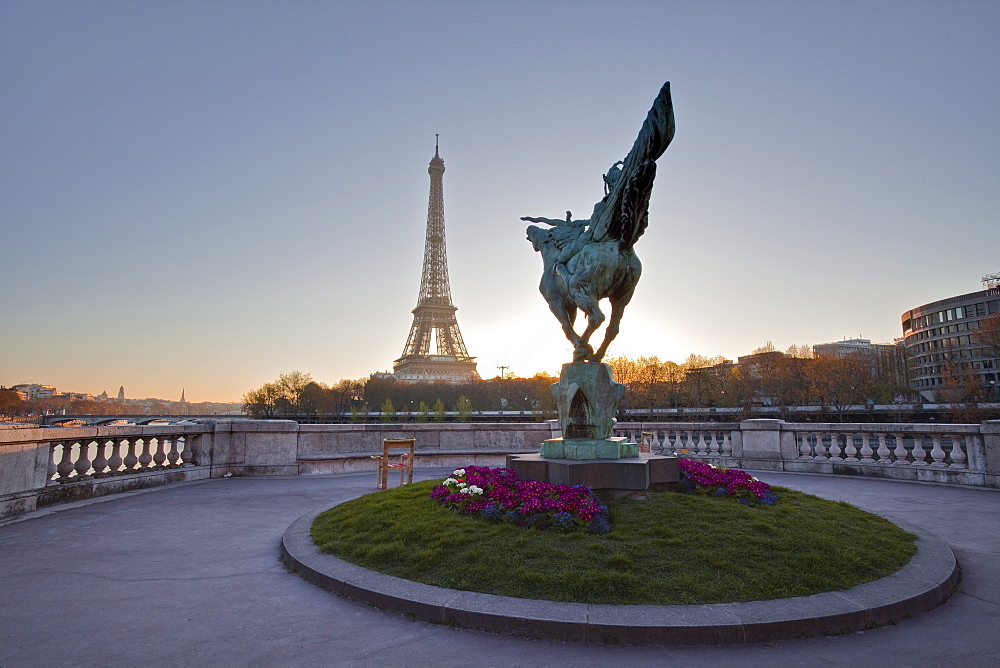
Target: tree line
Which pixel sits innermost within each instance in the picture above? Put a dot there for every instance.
(768, 377)
(296, 393)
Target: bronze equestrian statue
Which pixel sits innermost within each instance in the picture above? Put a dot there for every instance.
(587, 260)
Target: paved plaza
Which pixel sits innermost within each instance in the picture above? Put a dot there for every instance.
(189, 574)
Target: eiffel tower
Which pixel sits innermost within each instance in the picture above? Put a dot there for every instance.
(434, 316)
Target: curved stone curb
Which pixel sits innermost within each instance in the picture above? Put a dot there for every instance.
(922, 584)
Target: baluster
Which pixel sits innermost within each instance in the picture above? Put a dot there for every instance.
(957, 454)
(674, 439)
(919, 455)
(100, 461)
(821, 452)
(53, 467)
(900, 450)
(190, 452)
(850, 451)
(115, 462)
(130, 459)
(697, 442)
(146, 458)
(805, 449)
(65, 467)
(708, 440)
(835, 445)
(727, 444)
(937, 452)
(161, 453)
(83, 461)
(883, 448)
(174, 454)
(866, 447)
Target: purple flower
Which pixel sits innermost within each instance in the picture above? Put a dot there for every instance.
(526, 502)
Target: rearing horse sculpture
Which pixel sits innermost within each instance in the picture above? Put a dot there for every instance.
(585, 261)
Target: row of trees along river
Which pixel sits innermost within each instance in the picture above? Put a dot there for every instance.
(768, 377)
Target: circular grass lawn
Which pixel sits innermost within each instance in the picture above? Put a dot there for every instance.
(666, 549)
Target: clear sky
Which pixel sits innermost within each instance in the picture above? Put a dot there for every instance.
(206, 194)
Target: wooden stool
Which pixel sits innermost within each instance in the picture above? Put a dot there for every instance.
(404, 462)
(646, 442)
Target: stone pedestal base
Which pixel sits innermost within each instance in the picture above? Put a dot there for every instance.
(615, 447)
(609, 479)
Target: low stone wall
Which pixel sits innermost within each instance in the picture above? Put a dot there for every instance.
(325, 449)
(45, 466)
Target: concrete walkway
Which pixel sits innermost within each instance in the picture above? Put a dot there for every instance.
(189, 575)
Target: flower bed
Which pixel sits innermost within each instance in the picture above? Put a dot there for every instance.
(498, 495)
(702, 478)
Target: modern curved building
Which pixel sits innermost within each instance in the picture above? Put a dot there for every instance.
(945, 361)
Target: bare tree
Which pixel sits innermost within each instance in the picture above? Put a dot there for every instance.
(839, 382)
(988, 334)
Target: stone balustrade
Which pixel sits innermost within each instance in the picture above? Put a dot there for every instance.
(967, 454)
(45, 466)
(683, 439)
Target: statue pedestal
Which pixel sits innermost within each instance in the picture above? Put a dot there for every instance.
(615, 447)
(587, 398)
(610, 479)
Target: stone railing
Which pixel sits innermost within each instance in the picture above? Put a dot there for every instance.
(683, 439)
(45, 466)
(967, 454)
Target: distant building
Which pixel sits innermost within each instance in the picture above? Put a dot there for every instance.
(77, 396)
(941, 349)
(756, 358)
(843, 348)
(121, 393)
(34, 391)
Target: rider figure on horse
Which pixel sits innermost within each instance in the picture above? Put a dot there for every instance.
(570, 236)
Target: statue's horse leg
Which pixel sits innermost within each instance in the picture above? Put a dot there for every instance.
(619, 299)
(566, 315)
(590, 304)
(617, 310)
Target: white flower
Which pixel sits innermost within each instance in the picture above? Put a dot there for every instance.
(462, 484)
(449, 481)
(458, 473)
(475, 490)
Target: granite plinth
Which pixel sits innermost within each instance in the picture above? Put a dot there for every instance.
(616, 447)
(610, 479)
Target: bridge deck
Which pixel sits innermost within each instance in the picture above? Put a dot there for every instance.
(189, 574)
